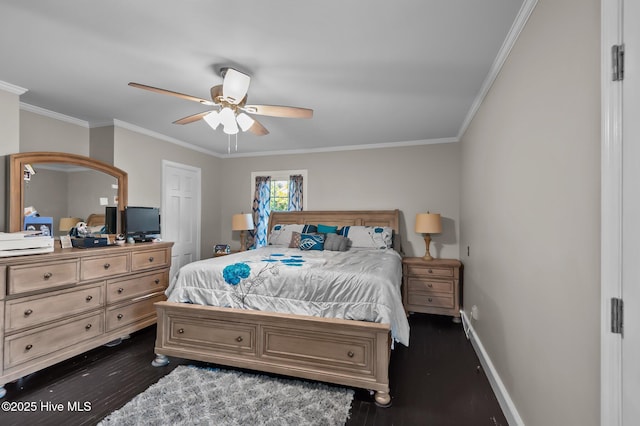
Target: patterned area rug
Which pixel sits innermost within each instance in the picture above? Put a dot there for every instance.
(196, 396)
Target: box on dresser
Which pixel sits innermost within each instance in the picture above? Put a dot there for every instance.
(432, 286)
(57, 305)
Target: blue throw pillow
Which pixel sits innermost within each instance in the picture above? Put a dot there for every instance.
(326, 229)
(311, 242)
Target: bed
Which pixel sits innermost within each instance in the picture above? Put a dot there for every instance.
(346, 342)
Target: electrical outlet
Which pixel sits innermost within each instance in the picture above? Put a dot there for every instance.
(475, 312)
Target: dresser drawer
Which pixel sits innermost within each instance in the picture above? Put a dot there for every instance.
(435, 271)
(42, 341)
(104, 266)
(430, 300)
(430, 286)
(121, 315)
(24, 278)
(35, 310)
(221, 336)
(149, 259)
(138, 285)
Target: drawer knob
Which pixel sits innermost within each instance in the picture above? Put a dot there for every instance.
(429, 285)
(48, 275)
(150, 258)
(181, 331)
(89, 298)
(120, 316)
(239, 339)
(430, 299)
(430, 271)
(88, 326)
(107, 265)
(350, 354)
(120, 290)
(28, 312)
(28, 347)
(157, 281)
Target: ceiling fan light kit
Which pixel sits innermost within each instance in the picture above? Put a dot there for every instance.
(232, 112)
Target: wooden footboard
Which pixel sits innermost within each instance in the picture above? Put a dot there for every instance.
(351, 353)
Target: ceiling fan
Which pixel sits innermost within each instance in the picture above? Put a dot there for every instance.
(232, 111)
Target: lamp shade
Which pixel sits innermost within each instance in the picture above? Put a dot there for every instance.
(428, 223)
(242, 222)
(244, 121)
(235, 85)
(212, 119)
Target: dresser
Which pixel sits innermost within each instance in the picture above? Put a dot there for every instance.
(57, 305)
(432, 286)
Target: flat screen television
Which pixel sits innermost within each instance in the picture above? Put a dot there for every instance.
(142, 223)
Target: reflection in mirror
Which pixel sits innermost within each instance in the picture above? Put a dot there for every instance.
(67, 186)
(69, 193)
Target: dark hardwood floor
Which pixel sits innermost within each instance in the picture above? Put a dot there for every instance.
(436, 381)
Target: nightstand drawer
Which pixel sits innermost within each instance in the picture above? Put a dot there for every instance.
(426, 271)
(423, 299)
(429, 286)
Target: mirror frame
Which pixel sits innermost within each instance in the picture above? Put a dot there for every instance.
(16, 168)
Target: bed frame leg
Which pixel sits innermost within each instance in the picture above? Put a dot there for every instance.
(160, 361)
(383, 399)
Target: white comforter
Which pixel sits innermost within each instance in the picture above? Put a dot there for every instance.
(357, 284)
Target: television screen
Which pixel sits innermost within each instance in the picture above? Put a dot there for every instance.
(142, 223)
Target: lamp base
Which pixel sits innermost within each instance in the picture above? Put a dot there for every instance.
(427, 243)
(243, 246)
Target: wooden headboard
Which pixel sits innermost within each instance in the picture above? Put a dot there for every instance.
(342, 218)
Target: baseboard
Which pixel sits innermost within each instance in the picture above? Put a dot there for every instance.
(505, 401)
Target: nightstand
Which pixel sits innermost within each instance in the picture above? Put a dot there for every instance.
(432, 286)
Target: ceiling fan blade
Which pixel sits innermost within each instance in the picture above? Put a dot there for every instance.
(258, 129)
(235, 86)
(191, 118)
(171, 93)
(279, 111)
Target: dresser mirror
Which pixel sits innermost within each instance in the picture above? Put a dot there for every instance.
(66, 187)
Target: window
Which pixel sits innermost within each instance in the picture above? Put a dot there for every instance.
(283, 190)
(279, 195)
(279, 189)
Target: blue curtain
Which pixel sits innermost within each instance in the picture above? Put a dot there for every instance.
(261, 210)
(295, 193)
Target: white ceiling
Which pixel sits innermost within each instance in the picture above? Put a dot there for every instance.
(374, 72)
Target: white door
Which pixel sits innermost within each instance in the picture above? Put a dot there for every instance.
(631, 215)
(181, 212)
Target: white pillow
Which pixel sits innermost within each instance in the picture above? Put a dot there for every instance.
(378, 237)
(281, 234)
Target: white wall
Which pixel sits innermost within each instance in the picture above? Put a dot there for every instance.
(413, 179)
(141, 157)
(10, 137)
(530, 196)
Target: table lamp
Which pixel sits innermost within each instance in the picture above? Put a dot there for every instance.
(242, 222)
(428, 223)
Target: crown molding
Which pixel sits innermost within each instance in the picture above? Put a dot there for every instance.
(52, 114)
(343, 148)
(12, 88)
(517, 27)
(151, 133)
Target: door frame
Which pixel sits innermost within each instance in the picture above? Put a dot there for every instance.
(198, 171)
(611, 216)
